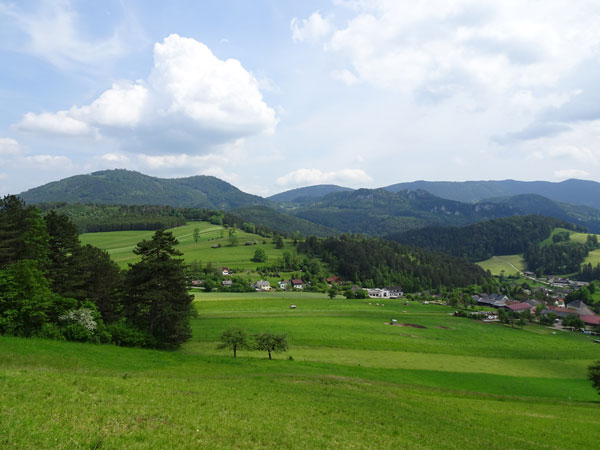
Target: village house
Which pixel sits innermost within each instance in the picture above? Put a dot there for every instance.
(395, 291)
(378, 293)
(226, 271)
(227, 283)
(262, 285)
(297, 284)
(283, 284)
(334, 280)
(517, 307)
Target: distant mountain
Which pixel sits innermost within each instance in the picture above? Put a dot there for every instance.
(284, 223)
(307, 194)
(380, 212)
(583, 216)
(578, 192)
(133, 188)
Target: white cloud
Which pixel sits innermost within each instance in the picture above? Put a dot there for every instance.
(316, 176)
(502, 46)
(114, 158)
(47, 162)
(9, 146)
(191, 101)
(312, 29)
(571, 173)
(55, 35)
(61, 123)
(345, 76)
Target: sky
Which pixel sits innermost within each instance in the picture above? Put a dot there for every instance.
(270, 95)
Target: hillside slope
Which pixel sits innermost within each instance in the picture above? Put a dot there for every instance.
(307, 194)
(133, 188)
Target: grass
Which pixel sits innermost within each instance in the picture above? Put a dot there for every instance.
(504, 264)
(120, 245)
(354, 382)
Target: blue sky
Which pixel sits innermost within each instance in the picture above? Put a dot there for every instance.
(272, 95)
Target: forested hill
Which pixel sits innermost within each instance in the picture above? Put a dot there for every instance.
(127, 187)
(583, 216)
(379, 212)
(307, 194)
(283, 223)
(483, 240)
(578, 192)
(376, 262)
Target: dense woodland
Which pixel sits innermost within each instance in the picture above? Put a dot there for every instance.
(52, 286)
(481, 241)
(560, 257)
(376, 262)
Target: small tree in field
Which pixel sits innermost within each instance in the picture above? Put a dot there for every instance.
(332, 292)
(196, 235)
(594, 375)
(235, 338)
(259, 255)
(269, 342)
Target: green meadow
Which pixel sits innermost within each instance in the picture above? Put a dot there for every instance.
(120, 245)
(348, 380)
(505, 264)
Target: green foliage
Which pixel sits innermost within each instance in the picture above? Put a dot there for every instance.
(126, 335)
(562, 236)
(259, 255)
(23, 233)
(271, 343)
(156, 298)
(278, 242)
(379, 263)
(235, 339)
(594, 375)
(483, 240)
(573, 321)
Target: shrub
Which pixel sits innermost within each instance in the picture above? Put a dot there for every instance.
(125, 335)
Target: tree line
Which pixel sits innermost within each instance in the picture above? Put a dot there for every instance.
(53, 286)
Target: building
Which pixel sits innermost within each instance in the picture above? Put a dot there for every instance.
(283, 284)
(297, 284)
(262, 285)
(226, 271)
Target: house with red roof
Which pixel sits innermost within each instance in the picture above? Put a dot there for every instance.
(297, 284)
(518, 307)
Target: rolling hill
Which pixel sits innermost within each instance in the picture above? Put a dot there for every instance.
(133, 188)
(307, 194)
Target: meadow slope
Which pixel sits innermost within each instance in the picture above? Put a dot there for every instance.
(347, 381)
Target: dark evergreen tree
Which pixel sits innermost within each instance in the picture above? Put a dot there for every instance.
(156, 298)
(23, 233)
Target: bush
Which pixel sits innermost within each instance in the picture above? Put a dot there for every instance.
(51, 331)
(125, 335)
(77, 332)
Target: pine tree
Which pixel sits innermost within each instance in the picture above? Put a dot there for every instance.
(157, 301)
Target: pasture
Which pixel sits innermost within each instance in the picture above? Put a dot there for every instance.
(347, 381)
(120, 245)
(504, 265)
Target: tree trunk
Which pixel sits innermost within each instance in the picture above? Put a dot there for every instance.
(234, 351)
(269, 355)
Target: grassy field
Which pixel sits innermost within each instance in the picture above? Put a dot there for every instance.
(505, 264)
(120, 245)
(347, 381)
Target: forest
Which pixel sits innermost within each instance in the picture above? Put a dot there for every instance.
(376, 262)
(481, 241)
(52, 286)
